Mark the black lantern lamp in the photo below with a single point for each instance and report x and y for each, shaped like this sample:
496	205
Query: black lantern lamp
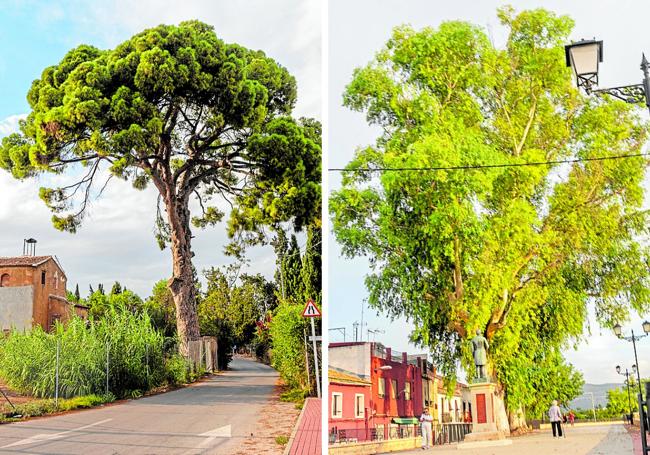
585	56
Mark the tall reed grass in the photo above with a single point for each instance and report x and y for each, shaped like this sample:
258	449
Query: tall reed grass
136	360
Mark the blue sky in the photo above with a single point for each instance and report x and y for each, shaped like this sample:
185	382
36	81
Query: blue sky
116	240
359	29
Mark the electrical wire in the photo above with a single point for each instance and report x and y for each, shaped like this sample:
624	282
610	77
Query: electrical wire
488	166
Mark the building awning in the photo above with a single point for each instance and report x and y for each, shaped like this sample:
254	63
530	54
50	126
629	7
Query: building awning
405	420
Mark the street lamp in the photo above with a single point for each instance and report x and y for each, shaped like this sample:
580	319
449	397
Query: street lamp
627	383
618	331
584	57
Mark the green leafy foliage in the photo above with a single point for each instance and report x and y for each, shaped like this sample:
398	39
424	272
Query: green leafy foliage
288	354
517	252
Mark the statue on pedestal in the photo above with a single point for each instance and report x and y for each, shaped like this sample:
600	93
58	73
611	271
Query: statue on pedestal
479	347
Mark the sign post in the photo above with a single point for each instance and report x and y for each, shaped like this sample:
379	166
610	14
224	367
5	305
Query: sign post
311	311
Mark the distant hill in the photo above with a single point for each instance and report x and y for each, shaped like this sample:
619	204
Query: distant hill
600	395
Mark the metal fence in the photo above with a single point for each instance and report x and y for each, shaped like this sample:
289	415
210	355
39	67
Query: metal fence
448	433
444	433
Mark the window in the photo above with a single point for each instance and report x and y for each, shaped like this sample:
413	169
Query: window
337	405
359	411
43	278
381	387
4	280
407	390
393	388
56	280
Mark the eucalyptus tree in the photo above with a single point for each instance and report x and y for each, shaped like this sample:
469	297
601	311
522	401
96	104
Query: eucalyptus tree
519	252
177	107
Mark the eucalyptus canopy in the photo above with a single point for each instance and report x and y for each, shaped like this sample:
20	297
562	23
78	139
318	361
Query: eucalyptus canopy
518	252
177	107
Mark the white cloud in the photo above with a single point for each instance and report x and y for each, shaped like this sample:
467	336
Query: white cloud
10	124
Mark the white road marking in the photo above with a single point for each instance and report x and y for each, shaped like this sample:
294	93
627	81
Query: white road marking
210	436
49	436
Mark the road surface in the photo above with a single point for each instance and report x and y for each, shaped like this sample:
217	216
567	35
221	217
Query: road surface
580	440
215	416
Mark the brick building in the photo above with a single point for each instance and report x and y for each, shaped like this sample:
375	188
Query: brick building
33	292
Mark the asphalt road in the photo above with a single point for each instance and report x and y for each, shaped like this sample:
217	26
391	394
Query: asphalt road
580	440
212	417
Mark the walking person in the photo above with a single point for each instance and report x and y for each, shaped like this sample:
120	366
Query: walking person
427	434
572	417
555	416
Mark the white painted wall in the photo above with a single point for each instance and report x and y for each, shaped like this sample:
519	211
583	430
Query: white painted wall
16	305
355	359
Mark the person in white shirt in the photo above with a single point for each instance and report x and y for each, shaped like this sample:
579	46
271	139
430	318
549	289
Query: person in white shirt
555	416
427	434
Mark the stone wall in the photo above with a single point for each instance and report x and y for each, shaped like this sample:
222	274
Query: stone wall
16	307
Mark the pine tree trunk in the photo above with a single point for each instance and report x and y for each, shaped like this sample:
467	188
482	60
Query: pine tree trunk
182	284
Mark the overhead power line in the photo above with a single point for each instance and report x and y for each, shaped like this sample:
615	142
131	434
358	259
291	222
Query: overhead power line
487	166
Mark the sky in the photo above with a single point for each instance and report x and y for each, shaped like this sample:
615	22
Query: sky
116	240
359	29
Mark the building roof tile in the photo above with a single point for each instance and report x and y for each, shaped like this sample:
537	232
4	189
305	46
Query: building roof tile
340	377
18	261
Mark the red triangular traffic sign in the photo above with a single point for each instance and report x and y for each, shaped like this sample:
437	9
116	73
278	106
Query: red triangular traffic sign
311	310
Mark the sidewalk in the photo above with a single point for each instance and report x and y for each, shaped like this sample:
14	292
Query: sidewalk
587	440
306	438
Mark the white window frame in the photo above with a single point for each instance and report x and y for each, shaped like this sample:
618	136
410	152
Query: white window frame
335	414
381	387
407	391
359	413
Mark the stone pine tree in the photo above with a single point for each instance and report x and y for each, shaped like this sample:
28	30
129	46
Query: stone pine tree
519	253
176	107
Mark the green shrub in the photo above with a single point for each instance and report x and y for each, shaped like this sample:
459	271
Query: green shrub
281	440
176	370
288	355
296	395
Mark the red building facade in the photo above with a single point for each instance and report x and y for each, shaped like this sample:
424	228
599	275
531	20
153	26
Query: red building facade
396	400
348	406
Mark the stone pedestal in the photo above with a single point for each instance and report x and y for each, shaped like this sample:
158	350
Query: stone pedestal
484	425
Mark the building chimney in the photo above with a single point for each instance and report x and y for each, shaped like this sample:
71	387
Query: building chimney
405	358
29	247
389	354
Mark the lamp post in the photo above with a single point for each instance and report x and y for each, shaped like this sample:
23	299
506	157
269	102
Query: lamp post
584	58
618	331
627	383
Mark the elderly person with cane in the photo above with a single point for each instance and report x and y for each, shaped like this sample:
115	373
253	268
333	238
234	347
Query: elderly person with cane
555	416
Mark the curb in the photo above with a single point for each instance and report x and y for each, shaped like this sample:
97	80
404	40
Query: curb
287	449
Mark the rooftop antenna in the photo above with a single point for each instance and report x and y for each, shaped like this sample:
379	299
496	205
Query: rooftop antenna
29	247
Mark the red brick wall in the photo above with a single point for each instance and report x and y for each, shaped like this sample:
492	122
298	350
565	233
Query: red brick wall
55	284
